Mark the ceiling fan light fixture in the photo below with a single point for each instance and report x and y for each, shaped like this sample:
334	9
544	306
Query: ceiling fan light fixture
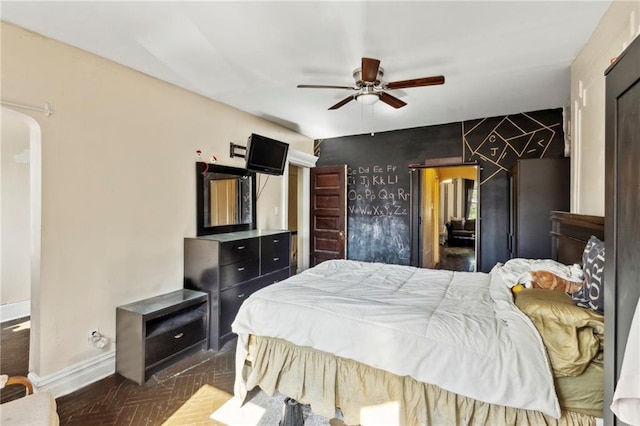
370	88
368	98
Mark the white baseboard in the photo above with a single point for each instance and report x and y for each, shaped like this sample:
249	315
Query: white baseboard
76	376
12	311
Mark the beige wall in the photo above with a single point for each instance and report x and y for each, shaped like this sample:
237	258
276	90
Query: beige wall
617	28
118	183
15	251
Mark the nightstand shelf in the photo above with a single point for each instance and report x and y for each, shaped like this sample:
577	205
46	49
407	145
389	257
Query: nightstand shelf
153	333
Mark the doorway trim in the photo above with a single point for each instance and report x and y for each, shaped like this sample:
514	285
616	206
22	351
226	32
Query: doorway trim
416	225
35	187
305	162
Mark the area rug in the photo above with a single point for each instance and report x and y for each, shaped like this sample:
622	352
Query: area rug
212	406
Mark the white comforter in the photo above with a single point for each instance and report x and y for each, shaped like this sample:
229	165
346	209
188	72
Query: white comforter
458	330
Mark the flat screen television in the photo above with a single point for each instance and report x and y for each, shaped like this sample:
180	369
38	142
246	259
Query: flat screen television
266	155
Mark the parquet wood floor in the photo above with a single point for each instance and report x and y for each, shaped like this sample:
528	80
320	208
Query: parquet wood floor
14	355
457	258
118	401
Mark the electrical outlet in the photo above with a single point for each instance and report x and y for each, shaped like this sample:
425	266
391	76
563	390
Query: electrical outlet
97	340
94	334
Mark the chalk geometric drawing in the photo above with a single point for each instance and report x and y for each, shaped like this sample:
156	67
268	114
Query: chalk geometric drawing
497	143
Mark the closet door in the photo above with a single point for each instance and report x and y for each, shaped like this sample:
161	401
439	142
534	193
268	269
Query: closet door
539	186
622	201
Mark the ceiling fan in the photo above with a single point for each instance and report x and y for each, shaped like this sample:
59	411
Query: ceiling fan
370	88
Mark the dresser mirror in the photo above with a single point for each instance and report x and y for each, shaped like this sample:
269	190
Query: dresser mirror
226	199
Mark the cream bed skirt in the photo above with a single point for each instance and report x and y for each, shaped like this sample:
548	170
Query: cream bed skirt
326	382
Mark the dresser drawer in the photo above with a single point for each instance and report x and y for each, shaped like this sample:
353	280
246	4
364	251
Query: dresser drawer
173	341
239	250
275	252
273	263
231	299
274	277
275	245
238	272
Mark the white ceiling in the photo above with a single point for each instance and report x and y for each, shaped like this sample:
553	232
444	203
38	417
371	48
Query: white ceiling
497	57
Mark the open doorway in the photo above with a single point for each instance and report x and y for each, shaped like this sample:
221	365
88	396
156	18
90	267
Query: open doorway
296	204
448	218
20	202
292	218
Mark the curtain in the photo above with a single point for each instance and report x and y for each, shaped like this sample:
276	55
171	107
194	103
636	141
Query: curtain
468	196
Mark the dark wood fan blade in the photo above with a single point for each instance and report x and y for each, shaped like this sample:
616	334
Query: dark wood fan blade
415	82
343	102
369	69
324	86
391	100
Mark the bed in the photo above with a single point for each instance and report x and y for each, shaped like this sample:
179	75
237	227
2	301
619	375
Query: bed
431	347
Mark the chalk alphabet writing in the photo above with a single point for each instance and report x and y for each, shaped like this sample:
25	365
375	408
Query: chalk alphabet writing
374	190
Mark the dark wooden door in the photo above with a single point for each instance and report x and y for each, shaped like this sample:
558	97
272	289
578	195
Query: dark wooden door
328	213
539	186
622	204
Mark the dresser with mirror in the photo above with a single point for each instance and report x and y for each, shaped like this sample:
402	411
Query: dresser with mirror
229	258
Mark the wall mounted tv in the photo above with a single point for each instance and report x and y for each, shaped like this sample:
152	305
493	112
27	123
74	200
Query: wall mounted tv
266	155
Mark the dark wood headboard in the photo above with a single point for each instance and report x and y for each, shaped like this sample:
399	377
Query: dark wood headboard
570	233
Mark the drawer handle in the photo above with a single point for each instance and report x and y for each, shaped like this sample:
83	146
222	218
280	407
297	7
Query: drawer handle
275	259
179	335
241	295
276	241
241	268
240	247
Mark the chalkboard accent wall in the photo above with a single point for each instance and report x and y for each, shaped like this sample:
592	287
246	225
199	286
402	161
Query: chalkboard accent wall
378	191
496	143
